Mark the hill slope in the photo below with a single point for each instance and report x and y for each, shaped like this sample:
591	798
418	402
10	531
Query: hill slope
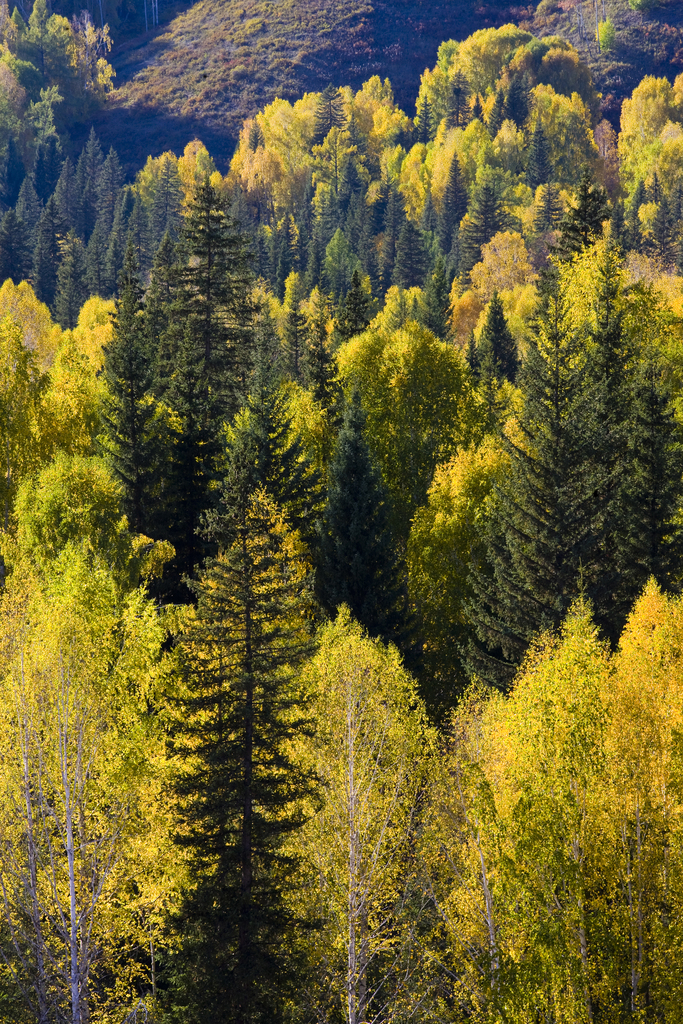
221	60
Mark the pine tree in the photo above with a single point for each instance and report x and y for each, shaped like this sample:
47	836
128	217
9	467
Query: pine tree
295	340
320	368
166	204
138	234
46	255
582	223
663	232
240	792
473	355
109	184
15	259
497	350
654	191
67	196
410	262
459	111
96	262
485	217
539	169
437	301
28	209
618	231
517	100
71	287
425	128
13	174
453	205
497	114
358	565
87	179
329	113
116	248
353	316
477	111
635	238
548	208
47	167
394	218
129	410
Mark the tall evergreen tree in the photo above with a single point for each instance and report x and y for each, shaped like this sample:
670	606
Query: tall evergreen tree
46	255
15	256
459	111
539	169
138	234
354	310
28	210
425	128
67	196
320	368
634	233
497	114
410	263
437	301
329	113
497	349
71	286
358	563
485	217
663	241
394	218
166	204
13	173
548	208
109	184
453	205
47	167
582	223
618	230
129	410
96	262
87	179
240	791
116	247
517	100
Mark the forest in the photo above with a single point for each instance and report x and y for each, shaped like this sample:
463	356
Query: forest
341	626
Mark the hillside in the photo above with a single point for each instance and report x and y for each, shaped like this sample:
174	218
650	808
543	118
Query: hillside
219	61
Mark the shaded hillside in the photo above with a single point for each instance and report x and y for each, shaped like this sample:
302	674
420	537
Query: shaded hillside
221	60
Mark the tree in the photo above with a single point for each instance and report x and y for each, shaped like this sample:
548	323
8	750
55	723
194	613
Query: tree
663	231
458	110
517	100
15	260
496	114
129	408
354	310
539	169
357	563
410	260
166	203
294	328
424	121
47	253
497	349
240	787
87	181
116	248
320	369
96	262
437	304
47	167
329	113
485	218
28	209
66	194
109	183
14	173
71	288
582	223
634	234
453	206
548	208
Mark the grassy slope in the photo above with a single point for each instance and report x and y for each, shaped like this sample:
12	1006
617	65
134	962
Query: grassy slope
220	60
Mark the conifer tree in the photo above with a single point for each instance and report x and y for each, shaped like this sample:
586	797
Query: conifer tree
46	255
166	204
13	174
410	262
497	114
618	230
477	111
453	206
634	233
47	167
663	231
358	564
67	196
437	301
295	339
539	169
425	127
548	208
138	234
109	184
485	217
329	113
354	310
15	258
473	355
240	791
517	100
582	223
71	287
129	408
394	218
28	210
497	350
116	248
459	111
96	262
320	366
87	180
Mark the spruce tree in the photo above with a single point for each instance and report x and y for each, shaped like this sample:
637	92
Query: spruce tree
358	563
517	100
167	201
437	301
15	256
472	355
87	178
240	792
539	169
354	310
28	210
618	230
497	350
410	263
129	410
548	208
477	111
425	128
67	196
663	242
295	340
582	223
109	184
453	206
394	218
329	114
634	234
458	108
116	248
138	234
13	174
96	262
320	368
46	255
497	114
47	167
485	217
71	285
